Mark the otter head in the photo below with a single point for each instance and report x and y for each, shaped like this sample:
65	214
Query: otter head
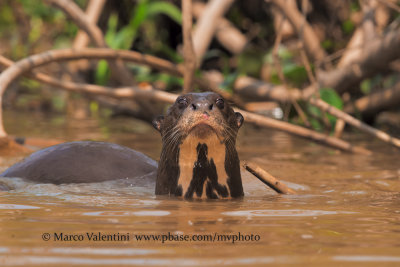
199	158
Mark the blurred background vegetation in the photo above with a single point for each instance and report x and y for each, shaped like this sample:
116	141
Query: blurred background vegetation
154	27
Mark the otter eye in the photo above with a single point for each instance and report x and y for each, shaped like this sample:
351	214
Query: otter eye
182	103
220	103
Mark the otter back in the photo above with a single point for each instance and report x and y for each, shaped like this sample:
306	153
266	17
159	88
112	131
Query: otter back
83	162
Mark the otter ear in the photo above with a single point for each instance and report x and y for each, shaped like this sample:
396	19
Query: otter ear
239	119
157	122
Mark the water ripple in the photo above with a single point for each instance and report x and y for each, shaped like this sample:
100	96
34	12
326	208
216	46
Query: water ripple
156	213
17	207
283	213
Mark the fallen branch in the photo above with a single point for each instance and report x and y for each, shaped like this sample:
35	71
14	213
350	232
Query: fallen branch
207	25
302	132
188	50
267	178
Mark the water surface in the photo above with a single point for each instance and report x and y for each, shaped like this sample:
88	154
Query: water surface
346	212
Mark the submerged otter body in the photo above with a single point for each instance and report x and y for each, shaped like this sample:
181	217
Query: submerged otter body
83	162
198	158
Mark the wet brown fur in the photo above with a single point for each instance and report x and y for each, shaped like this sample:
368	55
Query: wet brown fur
199	137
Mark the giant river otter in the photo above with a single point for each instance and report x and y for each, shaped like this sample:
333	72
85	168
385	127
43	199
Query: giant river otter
198	158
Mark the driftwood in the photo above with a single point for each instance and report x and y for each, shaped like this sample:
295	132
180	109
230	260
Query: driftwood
267	178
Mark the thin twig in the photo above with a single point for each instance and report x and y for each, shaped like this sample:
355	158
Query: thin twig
302	27
281	75
312	79
354	122
267	178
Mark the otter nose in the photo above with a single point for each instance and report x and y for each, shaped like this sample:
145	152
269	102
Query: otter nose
202	106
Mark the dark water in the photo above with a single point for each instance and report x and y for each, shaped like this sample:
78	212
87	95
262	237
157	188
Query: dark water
346	213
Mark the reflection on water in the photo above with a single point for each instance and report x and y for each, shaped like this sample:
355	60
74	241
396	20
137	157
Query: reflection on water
347	210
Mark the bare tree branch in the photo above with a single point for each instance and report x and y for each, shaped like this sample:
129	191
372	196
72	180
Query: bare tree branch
207	25
377	55
262	91
31	62
93	11
377	101
365	32
28	64
79	17
226	33
188	50
254	89
118	93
